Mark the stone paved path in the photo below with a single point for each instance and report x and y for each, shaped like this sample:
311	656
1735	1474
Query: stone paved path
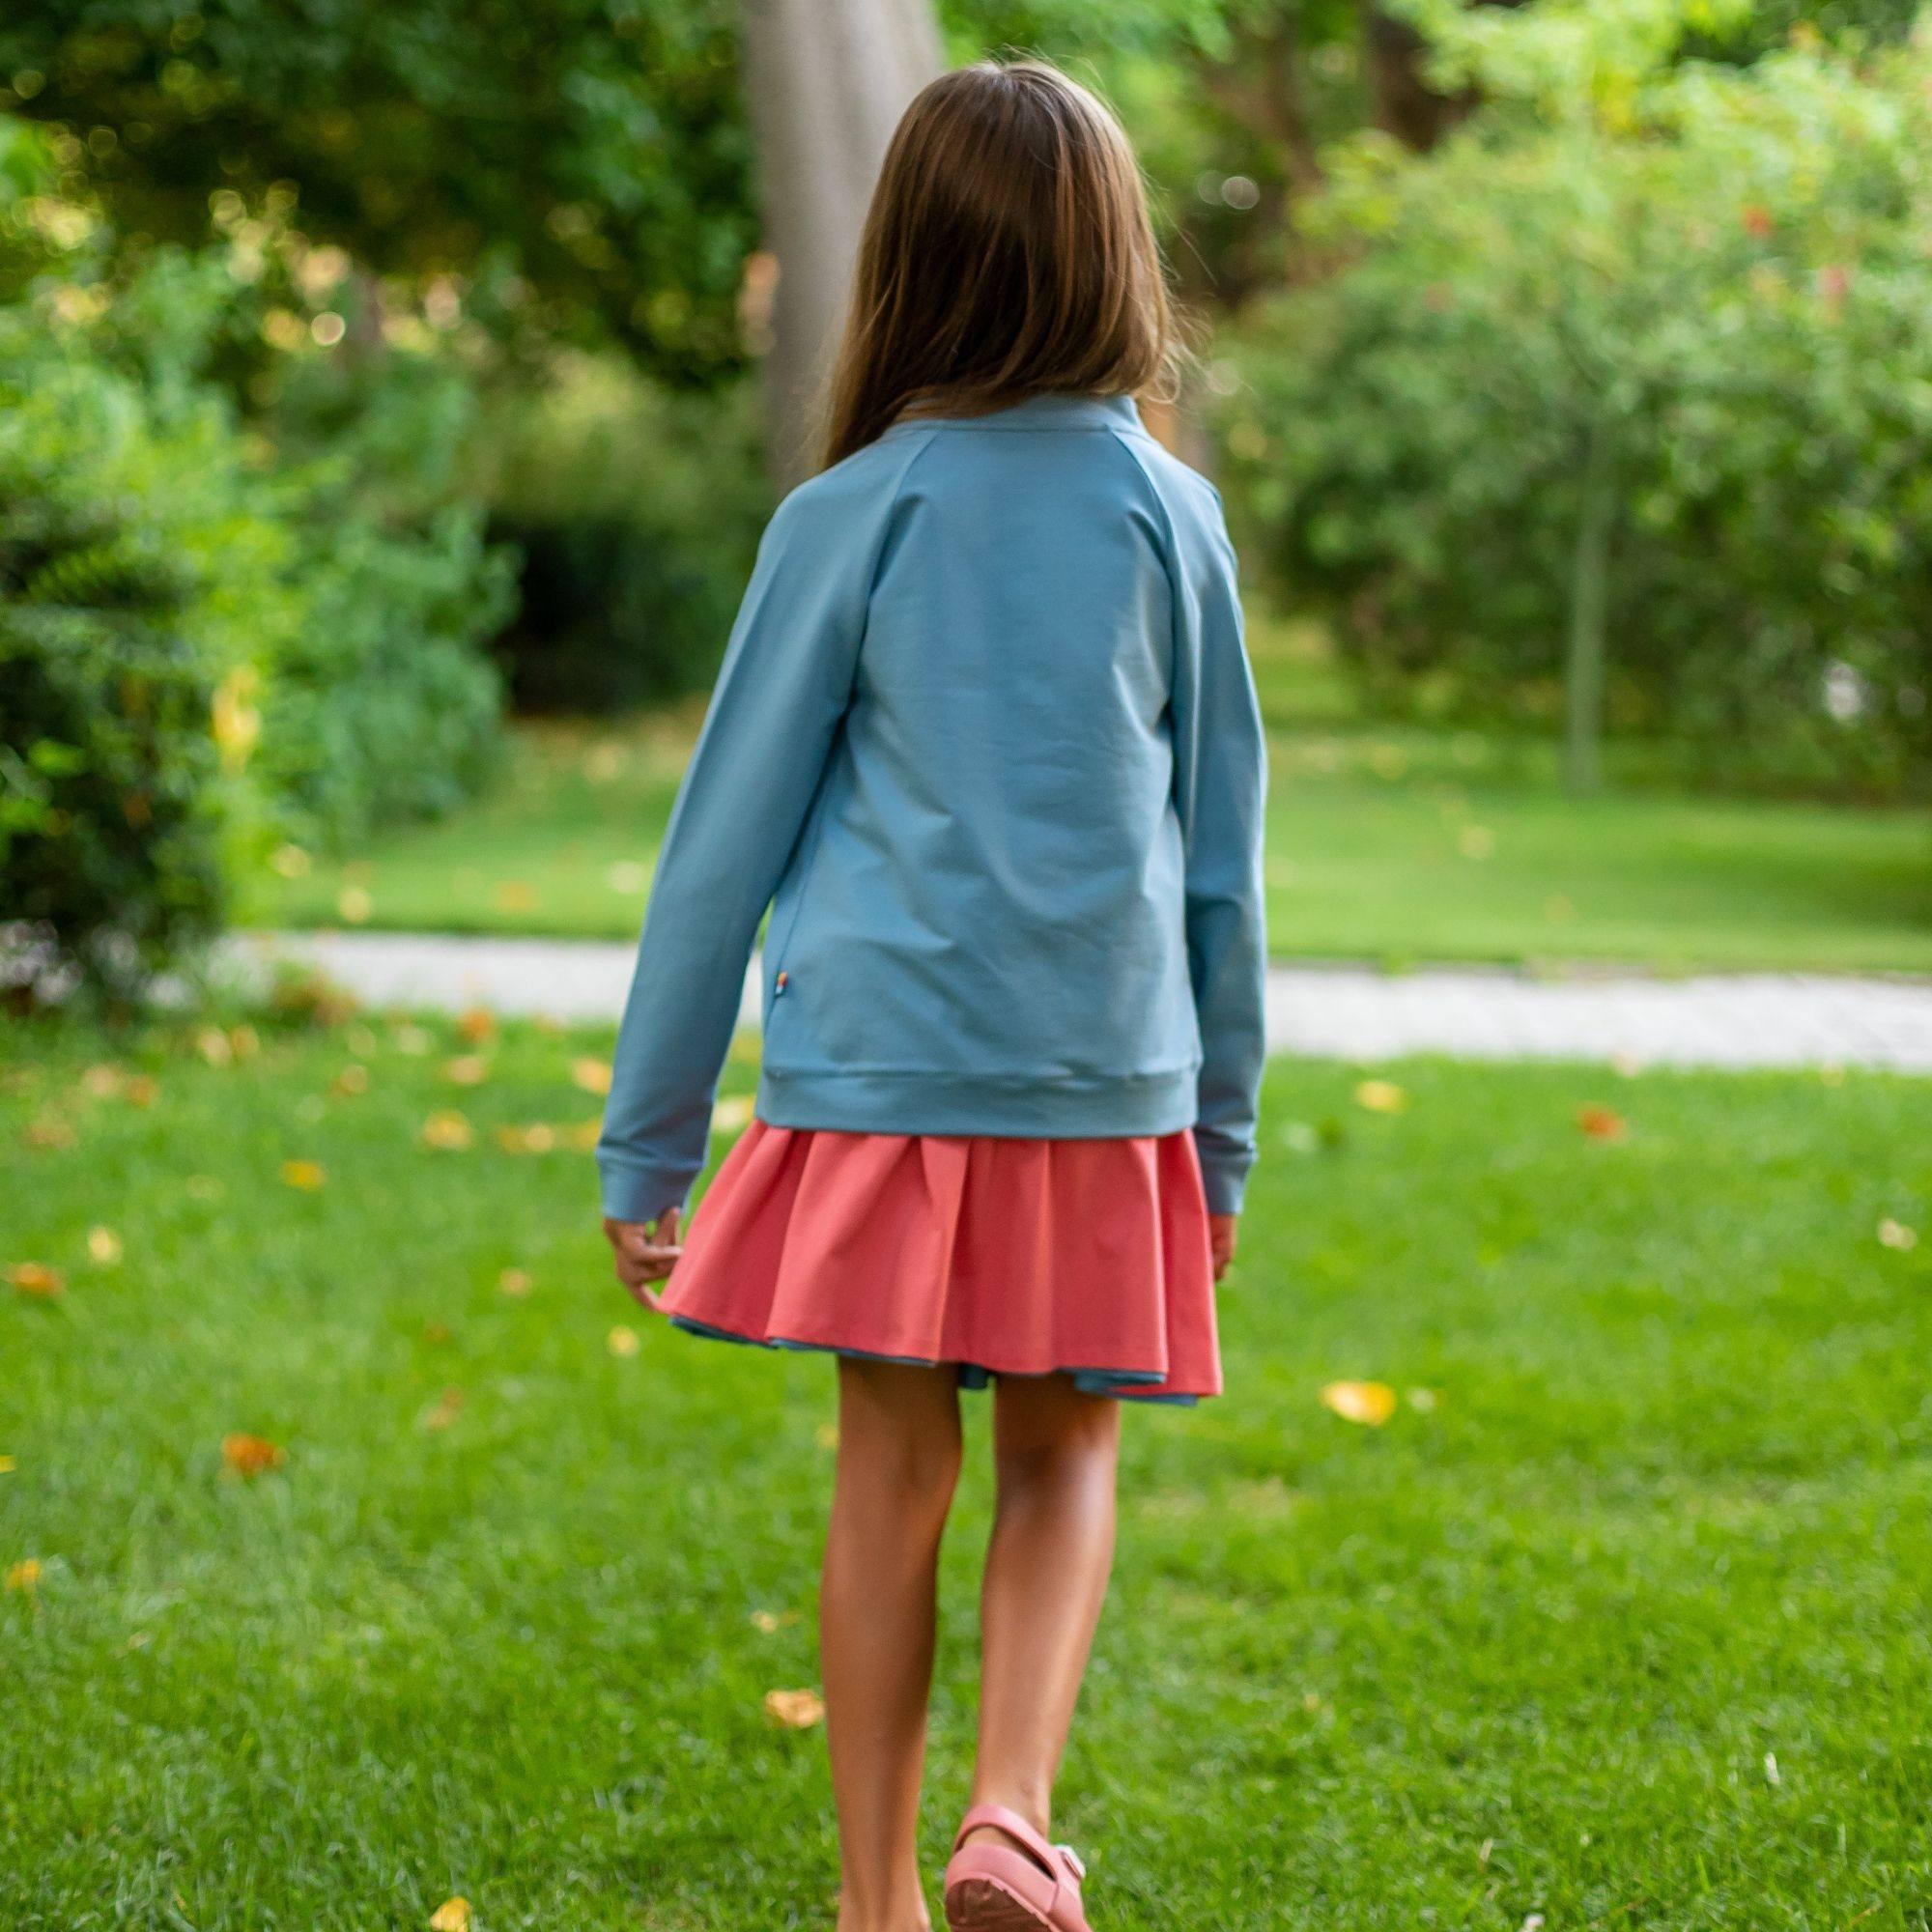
1342	1012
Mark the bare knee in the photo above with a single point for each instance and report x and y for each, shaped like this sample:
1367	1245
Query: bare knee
1048	1435
899	1436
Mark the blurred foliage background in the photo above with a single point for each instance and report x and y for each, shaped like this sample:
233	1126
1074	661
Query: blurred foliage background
362	369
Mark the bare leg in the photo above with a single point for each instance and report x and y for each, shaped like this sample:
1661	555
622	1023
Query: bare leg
1055	1452
899	1461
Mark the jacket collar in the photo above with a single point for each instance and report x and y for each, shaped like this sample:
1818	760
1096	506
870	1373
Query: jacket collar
1036	412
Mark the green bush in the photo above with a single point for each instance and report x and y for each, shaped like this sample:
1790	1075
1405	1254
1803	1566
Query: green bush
637	514
128	554
1645	367
219	627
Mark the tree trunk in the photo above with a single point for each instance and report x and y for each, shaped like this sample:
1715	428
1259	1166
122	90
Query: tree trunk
1405	103
826	83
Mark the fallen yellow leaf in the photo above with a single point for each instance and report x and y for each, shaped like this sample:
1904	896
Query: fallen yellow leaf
770	1622
102	1082
732	1115
1895	1234
307	1175
447	1130
214	1046
514	1282
536	1138
476	1024
103	1245
467	1070
448	1406
1370	1404
451	1916
583	1135
826	1435
250	1455
795	1710
1602	1124
142	1090
8	1465
1381	1096
246	1041
24	1574
36	1278
593	1076
624	1342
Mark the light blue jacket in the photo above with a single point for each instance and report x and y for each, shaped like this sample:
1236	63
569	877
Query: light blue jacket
986	743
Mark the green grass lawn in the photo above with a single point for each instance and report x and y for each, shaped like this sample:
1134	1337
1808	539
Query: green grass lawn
1621	1620
1391	845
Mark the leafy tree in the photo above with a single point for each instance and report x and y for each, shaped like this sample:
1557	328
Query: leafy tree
1626	382
585	160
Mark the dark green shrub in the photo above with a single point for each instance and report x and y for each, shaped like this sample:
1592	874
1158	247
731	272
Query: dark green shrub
636	515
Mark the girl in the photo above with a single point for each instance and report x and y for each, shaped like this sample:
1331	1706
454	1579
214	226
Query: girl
986	743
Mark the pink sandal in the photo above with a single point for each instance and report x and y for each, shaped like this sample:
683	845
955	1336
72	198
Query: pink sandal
1025	1885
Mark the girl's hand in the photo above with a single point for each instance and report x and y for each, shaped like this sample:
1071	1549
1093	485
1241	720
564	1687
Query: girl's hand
644	1252
1222	1231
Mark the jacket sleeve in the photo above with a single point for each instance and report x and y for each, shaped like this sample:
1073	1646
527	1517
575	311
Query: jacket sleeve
775	712
1221	784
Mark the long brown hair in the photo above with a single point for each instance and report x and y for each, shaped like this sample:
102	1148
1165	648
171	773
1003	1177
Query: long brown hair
1008	253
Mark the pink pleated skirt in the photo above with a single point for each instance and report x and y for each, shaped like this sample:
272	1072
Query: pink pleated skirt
997	1257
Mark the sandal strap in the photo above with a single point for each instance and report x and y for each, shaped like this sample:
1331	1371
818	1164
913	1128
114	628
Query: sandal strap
999	1818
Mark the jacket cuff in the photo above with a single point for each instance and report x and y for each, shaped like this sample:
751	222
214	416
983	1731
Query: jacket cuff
1224	1178
632	1192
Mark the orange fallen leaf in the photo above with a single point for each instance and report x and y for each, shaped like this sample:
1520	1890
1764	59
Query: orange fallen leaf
467	1070
1602	1124
795	1710
624	1342
476	1024
307	1175
103	1245
1381	1096
49	1134
25	1575
143	1090
354	1079
451	1916
36	1278
245	1041
592	1074
514	1282
251	1455
448	1406
1370	1404
448	1131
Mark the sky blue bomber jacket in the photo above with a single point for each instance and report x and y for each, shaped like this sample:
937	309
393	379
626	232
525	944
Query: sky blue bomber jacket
986	742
